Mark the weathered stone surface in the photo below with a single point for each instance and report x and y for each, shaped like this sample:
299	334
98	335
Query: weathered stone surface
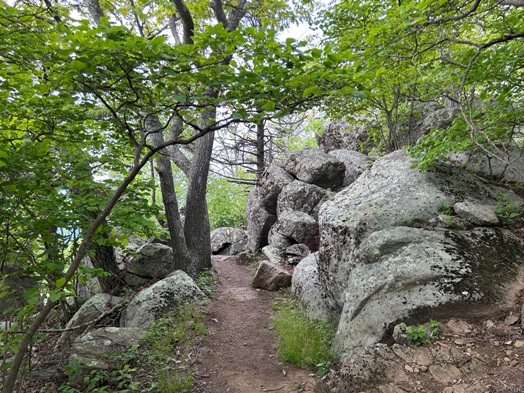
300	196
278	240
271	277
390	194
295	225
90	348
259	221
299	250
313	166
274	180
176	289
475	213
308	290
355	162
399	270
93	308
273	254
511	170
340	134
154	260
228	241
439	118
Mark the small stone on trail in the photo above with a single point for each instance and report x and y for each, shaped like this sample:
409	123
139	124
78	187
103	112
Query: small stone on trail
464	341
489	324
511	320
519	344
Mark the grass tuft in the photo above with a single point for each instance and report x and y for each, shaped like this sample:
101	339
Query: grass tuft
303	342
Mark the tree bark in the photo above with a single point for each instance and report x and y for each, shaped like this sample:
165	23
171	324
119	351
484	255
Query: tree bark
261	159
181	257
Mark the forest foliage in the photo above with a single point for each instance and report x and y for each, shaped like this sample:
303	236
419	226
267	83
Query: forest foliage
95	95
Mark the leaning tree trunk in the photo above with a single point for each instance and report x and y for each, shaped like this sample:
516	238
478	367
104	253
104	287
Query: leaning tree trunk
104	258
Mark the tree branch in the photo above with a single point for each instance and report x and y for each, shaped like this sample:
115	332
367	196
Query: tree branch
187	20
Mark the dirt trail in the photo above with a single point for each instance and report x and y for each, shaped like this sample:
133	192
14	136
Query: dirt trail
239	354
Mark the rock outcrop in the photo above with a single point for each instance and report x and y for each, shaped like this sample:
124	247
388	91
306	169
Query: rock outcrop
154	260
149	304
228	241
382	260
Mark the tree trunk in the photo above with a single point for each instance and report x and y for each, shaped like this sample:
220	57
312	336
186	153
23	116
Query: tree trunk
181	256
261	159
105	259
196	225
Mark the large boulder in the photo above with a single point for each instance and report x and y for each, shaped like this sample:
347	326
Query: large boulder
313	166
259	221
228	241
377	269
86	316
511	169
399	271
339	134
273	181
300	196
271	276
308	290
149	304
295	225
392	193
154	260
355	163
91	348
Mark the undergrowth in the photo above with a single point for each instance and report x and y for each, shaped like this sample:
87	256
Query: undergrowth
303	342
161	364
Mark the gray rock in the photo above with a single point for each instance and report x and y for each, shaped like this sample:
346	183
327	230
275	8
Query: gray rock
228	241
149	304
439	118
299	250
400	270
300	196
154	260
273	254
340	134
308	290
93	308
511	170
399	333
475	213
313	166
271	277
259	221
90	348
391	193
297	226
278	240
273	181
355	162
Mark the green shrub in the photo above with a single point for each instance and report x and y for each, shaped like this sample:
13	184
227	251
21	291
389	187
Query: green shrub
420	335
303	342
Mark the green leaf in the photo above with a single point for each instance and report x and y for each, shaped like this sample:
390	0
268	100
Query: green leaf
269	106
60	282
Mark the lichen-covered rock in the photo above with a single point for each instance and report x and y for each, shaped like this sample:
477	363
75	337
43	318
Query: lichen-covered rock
475	213
298	226
511	169
259	221
278	240
271	277
273	254
149	304
340	134
391	193
90	348
228	241
313	166
154	260
399	270
273	181
308	290
92	309
300	196
355	162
